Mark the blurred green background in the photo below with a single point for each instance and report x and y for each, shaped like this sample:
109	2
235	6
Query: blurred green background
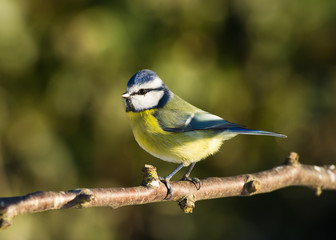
269	65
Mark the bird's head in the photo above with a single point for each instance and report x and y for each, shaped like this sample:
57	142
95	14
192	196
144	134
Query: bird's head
145	90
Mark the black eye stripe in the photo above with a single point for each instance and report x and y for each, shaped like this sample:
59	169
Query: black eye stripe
143	91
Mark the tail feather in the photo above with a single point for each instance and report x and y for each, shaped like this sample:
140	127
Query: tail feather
255	132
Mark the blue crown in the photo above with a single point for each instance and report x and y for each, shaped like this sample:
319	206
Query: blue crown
141	77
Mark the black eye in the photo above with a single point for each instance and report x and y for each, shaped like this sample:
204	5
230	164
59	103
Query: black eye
143	91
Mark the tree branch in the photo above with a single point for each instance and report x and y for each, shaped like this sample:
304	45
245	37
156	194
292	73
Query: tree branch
291	173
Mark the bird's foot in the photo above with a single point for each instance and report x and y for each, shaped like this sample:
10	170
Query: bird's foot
194	180
166	182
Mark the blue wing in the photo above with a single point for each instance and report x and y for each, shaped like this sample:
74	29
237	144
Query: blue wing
204	121
178	121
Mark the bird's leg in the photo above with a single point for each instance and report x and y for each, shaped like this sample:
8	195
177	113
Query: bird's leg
165	181
194	180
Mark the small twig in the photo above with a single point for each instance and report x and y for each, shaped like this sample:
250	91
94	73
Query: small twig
291	173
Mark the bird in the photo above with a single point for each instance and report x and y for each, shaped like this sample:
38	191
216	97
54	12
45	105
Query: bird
173	130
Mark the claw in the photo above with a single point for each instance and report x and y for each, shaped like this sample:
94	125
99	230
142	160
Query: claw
194	180
166	182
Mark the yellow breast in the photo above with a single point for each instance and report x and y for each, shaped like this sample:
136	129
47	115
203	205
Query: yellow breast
184	147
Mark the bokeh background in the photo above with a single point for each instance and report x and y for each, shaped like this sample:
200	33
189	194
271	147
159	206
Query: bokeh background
269	65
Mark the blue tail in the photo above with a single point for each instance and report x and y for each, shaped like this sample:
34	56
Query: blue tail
255	132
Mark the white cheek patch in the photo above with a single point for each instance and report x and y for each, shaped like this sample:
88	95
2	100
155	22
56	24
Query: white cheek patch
155	83
147	101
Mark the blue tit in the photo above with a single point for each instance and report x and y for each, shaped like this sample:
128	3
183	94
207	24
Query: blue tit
172	129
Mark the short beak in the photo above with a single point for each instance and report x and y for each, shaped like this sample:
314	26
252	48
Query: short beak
126	95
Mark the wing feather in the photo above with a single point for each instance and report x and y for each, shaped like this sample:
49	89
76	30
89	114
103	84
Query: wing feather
181	121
